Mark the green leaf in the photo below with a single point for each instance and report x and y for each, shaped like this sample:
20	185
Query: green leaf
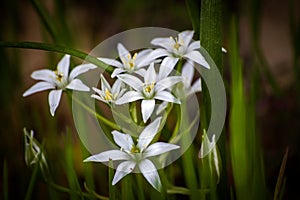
59	49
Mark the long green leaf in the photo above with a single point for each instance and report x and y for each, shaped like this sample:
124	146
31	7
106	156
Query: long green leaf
210	39
280	180
45	18
238	143
59	49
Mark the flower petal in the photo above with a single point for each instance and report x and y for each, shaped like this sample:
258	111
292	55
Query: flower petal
132	81
167	83
150	76
77	84
104	84
193	46
186	36
54	99
196	87
150	173
98	97
80	69
166	67
123	52
63	66
129	96
141	72
161	107
116	87
147	108
165	42
159	148
123	140
187	73
44	75
166	96
40	86
116	72
155	54
141	56
148	134
123	169
111	62
107	155
198	58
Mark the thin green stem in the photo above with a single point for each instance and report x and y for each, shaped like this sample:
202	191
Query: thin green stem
83	194
112	188
59	49
100	117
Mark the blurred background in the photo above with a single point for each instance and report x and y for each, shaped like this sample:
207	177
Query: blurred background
270	26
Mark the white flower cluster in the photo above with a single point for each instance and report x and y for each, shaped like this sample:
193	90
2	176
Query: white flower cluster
139	77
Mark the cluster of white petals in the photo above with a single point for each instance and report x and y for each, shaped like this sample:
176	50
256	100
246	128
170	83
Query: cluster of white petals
147	76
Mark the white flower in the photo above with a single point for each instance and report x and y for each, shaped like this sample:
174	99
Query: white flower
108	94
58	81
136	155
148	91
180	47
129	63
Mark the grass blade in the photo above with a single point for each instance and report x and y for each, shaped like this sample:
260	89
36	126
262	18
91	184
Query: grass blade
45	18
59	49
280	181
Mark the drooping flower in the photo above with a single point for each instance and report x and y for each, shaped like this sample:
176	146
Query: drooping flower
148	91
210	152
108	94
129	63
58	81
34	154
135	155
176	48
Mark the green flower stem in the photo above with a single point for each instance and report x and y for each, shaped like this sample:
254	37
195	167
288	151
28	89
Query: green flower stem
59	49
82	194
188	157
100	117
112	188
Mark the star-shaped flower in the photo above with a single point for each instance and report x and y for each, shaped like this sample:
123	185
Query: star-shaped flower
150	90
136	155
108	94
58	81
174	49
129	63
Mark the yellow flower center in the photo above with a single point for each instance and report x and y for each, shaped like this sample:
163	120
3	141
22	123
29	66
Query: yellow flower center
149	88
108	95
177	44
59	76
130	61
135	149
